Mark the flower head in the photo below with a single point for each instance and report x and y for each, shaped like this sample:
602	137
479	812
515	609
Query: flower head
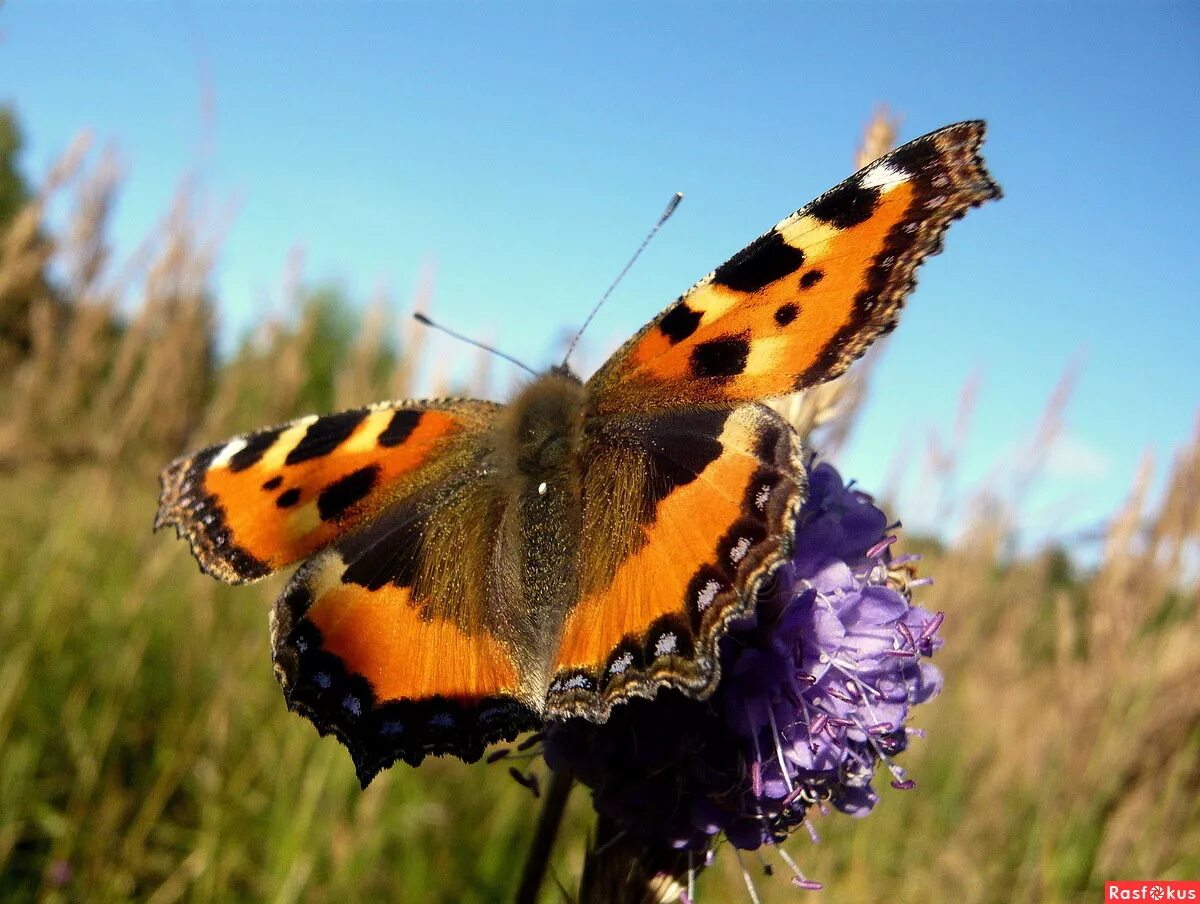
815	693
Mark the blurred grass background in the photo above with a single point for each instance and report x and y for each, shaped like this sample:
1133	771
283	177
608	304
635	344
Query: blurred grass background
145	751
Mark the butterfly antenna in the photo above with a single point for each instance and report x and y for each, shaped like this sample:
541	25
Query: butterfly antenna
666	215
421	318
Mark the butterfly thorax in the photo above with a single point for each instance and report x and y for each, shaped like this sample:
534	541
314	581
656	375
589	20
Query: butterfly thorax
537	442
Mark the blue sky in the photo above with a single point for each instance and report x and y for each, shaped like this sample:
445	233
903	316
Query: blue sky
526	148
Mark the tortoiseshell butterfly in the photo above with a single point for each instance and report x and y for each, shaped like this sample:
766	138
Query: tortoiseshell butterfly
471	569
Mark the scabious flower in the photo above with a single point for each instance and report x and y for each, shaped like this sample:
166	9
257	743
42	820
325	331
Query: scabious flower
814	698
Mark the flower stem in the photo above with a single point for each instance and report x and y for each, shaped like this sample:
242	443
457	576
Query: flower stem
623	869
549	820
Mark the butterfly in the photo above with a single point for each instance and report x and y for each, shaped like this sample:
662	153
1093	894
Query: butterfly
470	569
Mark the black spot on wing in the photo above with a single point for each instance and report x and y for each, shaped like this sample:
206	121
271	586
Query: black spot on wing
669	635
386	551
678	468
759	491
626	657
721	358
761	263
679	322
846	205
769	443
736	545
811	278
680	457
324	435
273	484
256	446
344	493
786	313
399	428
706	585
288	498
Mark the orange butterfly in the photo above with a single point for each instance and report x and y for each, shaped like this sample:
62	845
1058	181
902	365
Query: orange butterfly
471	569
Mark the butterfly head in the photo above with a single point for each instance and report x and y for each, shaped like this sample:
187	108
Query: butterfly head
543	424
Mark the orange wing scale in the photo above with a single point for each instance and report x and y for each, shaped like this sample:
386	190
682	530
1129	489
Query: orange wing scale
266	500
277	535
778	353
654	581
390	680
381	635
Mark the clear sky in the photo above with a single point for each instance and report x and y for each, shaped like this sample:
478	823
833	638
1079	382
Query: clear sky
526	148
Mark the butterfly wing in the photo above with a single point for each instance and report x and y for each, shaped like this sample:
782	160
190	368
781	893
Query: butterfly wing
674	553
265	500
396	638
803	301
684	515
391	636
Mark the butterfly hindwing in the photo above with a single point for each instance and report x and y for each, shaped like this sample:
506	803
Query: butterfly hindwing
397	639
683	514
800	303
268	499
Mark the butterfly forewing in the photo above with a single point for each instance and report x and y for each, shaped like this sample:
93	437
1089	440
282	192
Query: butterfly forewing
265	500
800	303
397	638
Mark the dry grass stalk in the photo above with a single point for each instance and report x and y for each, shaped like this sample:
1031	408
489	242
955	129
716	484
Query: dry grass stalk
943	457
90	332
31	315
162	374
414	338
358	383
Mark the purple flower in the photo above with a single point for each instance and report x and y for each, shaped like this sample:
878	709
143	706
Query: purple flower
815	695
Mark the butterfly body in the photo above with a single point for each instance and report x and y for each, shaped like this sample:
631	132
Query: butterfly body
470	569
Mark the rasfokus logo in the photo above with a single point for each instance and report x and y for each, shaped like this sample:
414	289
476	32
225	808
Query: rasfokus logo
1152	891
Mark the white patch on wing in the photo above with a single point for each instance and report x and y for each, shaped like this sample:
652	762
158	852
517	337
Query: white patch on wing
366	436
760	500
707	594
232	448
621	664
739	550
883	176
